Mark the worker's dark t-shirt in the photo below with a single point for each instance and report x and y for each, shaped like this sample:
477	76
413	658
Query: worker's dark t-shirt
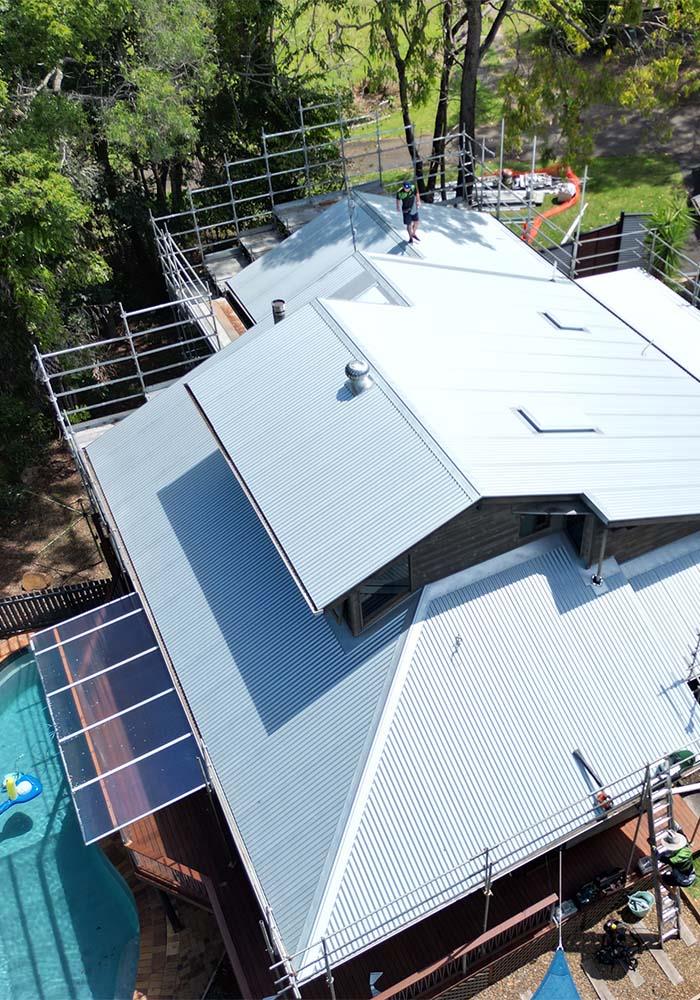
408	201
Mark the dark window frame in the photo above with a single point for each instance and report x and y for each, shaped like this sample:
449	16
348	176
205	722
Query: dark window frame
539	522
357	617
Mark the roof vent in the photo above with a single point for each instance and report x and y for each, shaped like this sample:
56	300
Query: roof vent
279	310
359	378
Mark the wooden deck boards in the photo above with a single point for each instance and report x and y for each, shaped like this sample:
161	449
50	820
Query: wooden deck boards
191	833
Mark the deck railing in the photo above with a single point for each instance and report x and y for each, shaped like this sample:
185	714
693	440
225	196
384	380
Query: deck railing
43	608
462	961
340	944
171	875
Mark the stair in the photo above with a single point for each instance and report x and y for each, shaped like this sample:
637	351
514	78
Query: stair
668	898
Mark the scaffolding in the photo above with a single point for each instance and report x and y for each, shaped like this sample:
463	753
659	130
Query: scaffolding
296	174
478	873
261	198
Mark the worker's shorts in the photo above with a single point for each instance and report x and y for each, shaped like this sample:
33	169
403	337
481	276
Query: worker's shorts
409	217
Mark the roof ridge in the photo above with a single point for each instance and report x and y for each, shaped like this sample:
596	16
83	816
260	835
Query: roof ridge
369	208
365	775
363	785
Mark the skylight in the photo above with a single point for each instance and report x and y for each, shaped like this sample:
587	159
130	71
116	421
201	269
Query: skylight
562	323
556	420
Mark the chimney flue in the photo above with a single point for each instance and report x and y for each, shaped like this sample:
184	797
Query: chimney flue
278	310
358	377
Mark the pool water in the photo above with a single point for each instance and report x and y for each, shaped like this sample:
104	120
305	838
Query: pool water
68	923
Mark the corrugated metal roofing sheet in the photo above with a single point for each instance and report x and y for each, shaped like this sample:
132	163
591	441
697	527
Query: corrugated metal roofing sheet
310	252
654	309
667	584
508	668
353	279
477	347
450	234
344	483
283	699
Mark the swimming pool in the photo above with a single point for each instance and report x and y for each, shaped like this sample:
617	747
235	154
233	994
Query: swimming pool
68	922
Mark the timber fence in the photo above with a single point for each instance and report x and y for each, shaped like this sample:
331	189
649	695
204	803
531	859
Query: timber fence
42	608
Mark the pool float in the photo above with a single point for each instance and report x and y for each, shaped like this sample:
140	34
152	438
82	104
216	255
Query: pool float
19	788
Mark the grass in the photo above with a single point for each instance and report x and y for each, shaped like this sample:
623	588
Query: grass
624	184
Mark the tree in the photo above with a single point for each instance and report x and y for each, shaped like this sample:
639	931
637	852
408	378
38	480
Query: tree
618	51
168	73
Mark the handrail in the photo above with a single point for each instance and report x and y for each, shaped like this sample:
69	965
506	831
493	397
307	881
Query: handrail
466	949
624	791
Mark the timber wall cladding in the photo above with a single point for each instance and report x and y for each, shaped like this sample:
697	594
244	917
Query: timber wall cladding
478	534
628	543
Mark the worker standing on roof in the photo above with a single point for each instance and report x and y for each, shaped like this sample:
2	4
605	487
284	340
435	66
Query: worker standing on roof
408	202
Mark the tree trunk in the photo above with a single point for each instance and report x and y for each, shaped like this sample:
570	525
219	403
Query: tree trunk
142	175
437	155
176	185
160	175
409	132
467	100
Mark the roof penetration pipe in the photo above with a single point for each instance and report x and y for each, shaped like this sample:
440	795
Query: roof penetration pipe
279	310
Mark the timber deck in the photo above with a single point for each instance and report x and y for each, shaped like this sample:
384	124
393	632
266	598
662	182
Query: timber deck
194	859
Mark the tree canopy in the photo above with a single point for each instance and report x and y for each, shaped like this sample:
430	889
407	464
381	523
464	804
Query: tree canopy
111	107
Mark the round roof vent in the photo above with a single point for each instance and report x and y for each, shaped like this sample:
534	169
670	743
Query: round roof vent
358	376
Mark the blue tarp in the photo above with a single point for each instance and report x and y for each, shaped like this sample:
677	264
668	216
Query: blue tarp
557	983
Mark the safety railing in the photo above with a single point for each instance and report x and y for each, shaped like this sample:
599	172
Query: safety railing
462	961
171	875
298	165
104	377
478	872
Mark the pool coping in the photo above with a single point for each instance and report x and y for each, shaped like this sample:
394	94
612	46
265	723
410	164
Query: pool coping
10	647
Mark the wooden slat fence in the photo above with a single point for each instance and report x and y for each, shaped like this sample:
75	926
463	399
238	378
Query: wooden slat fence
41	608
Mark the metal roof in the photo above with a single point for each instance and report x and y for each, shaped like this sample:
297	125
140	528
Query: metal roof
309	253
667	585
478	351
654	310
456	236
343	483
507	669
450	234
284	700
353	279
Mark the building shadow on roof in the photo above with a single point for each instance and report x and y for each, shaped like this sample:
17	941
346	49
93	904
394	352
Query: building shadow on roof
287	657
329	236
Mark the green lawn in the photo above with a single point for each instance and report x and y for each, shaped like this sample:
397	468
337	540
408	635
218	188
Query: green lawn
624	184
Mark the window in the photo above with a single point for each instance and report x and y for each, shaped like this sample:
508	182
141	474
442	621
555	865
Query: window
381	591
531	524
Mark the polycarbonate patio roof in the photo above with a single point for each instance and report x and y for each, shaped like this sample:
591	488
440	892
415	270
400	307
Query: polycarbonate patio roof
126	744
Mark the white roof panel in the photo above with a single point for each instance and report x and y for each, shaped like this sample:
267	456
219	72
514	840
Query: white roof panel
507	669
652	308
476	350
343	483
